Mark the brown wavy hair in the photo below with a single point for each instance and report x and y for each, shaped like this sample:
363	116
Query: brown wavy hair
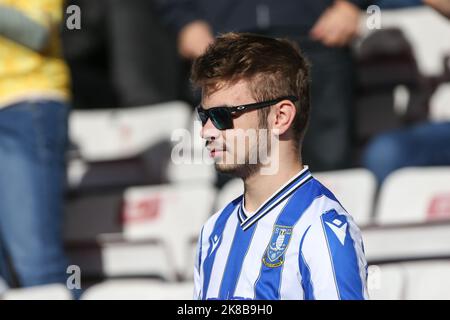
272	68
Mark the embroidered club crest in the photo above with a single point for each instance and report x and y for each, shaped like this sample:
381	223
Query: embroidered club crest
274	256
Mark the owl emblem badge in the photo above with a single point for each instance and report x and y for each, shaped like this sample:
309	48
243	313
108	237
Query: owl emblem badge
274	255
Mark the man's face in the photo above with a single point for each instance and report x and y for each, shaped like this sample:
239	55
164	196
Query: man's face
235	151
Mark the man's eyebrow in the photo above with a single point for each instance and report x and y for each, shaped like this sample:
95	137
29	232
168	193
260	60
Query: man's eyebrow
218	106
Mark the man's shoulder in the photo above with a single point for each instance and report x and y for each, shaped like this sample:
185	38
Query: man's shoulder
323	200
326	208
322	192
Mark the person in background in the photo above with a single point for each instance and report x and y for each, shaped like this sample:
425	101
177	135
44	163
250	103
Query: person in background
441	6
34	95
426	144
397	4
323	29
124	68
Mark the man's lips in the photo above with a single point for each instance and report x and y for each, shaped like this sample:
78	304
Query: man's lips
214	151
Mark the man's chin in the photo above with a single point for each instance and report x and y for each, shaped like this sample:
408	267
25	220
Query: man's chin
237	170
225	168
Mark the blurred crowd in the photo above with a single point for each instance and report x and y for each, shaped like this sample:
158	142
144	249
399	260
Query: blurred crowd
138	52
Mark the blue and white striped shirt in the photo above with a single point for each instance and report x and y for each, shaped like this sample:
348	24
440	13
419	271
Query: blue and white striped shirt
300	244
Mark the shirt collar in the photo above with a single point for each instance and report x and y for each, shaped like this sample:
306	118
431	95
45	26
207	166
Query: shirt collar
279	196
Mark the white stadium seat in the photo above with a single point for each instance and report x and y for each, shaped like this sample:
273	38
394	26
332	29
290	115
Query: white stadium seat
425	28
386	282
428	280
355	190
171	215
155	235
414	280
440	103
136	142
139	289
45	292
412	217
415	195
121	133
112	256
407	242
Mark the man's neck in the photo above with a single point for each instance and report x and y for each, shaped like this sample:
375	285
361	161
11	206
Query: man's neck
259	187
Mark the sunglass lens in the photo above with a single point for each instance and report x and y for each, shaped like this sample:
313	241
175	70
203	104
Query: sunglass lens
221	118
203	116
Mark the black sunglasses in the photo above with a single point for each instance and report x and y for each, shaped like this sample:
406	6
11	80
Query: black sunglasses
222	117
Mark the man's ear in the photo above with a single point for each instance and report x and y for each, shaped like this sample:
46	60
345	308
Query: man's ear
283	115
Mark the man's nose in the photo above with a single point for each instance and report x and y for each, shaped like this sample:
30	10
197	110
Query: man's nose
209	131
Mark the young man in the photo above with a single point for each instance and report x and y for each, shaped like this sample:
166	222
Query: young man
286	237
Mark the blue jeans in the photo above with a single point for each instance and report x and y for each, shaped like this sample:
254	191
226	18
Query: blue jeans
33	138
422	145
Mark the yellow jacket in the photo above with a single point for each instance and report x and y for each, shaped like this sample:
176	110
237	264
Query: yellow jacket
25	73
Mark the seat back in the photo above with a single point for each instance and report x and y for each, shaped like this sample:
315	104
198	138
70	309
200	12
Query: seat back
111	134
172	215
415	195
355	189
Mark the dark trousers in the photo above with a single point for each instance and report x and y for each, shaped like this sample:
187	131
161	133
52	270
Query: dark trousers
122	53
